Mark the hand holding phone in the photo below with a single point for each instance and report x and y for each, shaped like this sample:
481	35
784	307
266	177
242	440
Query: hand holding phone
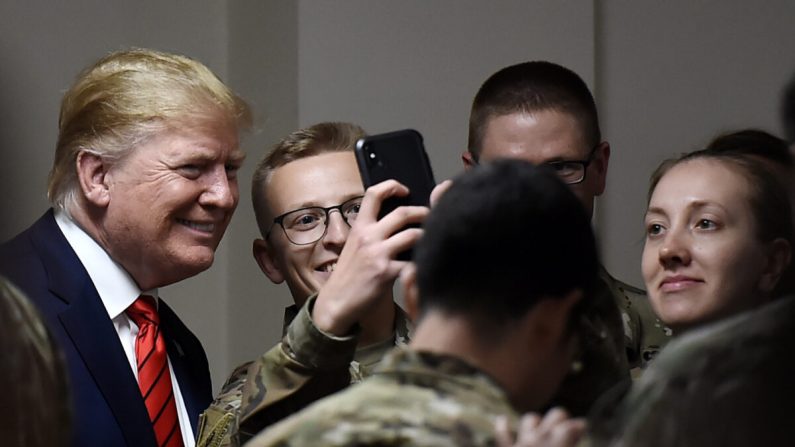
368	266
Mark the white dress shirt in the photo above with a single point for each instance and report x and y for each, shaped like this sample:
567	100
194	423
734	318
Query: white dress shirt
118	291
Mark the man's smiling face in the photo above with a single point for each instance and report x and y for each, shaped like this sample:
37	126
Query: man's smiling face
323	180
169	203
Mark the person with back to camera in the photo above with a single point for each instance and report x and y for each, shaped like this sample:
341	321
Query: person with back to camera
544	113
503	270
719	239
143	185
33	365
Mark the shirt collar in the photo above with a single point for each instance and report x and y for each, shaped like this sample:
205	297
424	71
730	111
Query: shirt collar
115	286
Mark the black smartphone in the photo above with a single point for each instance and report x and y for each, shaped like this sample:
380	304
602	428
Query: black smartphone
401	156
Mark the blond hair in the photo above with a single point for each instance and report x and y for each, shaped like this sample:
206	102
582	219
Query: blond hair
129	97
314	140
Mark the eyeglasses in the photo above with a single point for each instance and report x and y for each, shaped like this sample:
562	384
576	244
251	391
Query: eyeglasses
308	225
571	171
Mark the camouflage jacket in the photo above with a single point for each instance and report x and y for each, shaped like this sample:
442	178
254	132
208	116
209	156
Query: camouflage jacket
416	399
643	333
725	384
619	333
306	366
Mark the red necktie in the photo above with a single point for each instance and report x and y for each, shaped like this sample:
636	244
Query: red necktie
154	378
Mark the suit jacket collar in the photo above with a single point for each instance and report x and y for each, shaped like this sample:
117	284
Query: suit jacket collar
190	365
117	289
92	332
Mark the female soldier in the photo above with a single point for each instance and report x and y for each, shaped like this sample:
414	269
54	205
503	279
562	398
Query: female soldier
718	241
718	238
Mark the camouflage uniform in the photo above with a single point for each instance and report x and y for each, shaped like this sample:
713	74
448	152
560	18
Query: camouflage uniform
306	366
726	384
643	333
619	333
416	399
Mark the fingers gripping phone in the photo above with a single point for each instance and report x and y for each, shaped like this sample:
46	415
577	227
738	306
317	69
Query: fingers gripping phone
401	156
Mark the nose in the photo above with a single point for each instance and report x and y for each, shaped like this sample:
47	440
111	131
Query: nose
674	250
336	230
220	191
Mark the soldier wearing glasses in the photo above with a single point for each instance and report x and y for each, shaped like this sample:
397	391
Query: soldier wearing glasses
307	192
544	113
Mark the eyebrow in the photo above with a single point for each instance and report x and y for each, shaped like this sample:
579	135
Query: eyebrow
237	156
694	205
655	210
207	154
567	159
705	203
315	204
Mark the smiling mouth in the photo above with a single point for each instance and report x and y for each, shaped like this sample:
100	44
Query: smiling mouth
202	227
675	285
327	267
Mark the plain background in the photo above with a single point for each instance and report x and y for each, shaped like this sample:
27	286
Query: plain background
667	77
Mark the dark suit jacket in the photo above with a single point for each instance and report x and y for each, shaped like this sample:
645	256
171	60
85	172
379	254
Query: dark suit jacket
107	406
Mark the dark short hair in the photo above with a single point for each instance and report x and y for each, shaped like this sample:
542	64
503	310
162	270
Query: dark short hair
531	87
504	236
788	111
753	142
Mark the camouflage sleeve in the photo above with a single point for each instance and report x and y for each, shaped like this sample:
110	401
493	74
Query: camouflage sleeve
650	332
307	365
644	333
438	403
219	421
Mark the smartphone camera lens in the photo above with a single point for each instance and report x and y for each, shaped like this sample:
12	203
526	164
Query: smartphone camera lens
372	157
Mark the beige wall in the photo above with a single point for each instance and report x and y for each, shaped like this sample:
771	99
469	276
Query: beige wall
390	65
672	75
667	76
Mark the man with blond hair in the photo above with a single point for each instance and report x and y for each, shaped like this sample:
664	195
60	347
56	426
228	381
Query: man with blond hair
320	235
143	186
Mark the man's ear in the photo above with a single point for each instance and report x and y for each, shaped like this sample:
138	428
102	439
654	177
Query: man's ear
265	259
411	293
469	160
550	317
599	163
92	173
778	262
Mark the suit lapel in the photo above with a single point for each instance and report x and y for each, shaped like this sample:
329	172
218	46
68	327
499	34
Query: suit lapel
93	334
189	363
